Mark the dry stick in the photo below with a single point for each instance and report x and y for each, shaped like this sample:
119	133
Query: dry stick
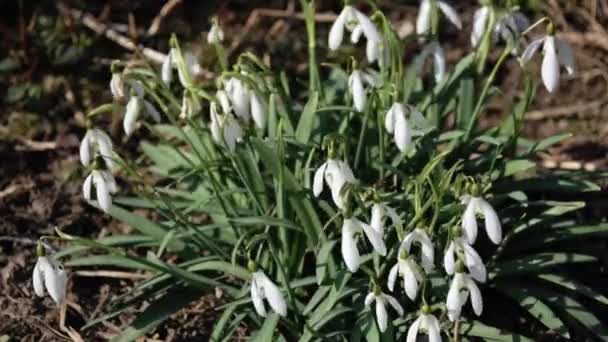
111	274
164	12
100	28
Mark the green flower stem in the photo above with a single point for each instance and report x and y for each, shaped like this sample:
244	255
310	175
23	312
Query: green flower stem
309	16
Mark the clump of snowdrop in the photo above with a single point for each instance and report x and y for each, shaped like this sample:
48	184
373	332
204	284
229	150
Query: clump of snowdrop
427	323
404	122
358	24
263	288
49	276
425	15
352	227
556	53
477	205
461	287
382	300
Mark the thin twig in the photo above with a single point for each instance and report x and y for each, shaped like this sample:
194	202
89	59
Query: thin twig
164	12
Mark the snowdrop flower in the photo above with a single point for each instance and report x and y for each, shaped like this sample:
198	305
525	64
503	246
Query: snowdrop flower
462	285
166	69
190	68
379	212
359	24
381	300
556	52
350	253
135	106
239	96
336	173
507	27
409	270
403	130
225	129
215	35
50	275
117	86
105	186
258	110
428	252
424	19
474	206
356	88
472	260
439	65
427	323
263	288
96	141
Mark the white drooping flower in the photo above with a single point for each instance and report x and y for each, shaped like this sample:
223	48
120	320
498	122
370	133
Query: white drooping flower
556	53
117	86
50	275
215	35
225	128
185	72
402	128
258	110
97	141
424	19
105	186
410	272
472	260
357	89
239	95
508	26
474	206
336	173
166	69
137	103
379	213
358	24
428	323
350	252
381	300
263	288
439	66
462	285
427	259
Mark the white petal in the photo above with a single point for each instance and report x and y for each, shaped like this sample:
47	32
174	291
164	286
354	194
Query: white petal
531	49
224	101
256	297
377	219
428	252
317	184
240	99
336	33
257	111
131	114
369	29
117	87
412	333
403	133
450	13
372	50
166	73
105	147
85	149
392	277
103	193
474	263
274	296
476	300
110	181
433	329
374	237
357	90
469	222
369	299
55	280
86	187
410	283
480	20
565	55
356	34
454	301
136	87
423	21
492	222
389	119
550	67
350	253
381	315
438	63
448	259
395	304
38	275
